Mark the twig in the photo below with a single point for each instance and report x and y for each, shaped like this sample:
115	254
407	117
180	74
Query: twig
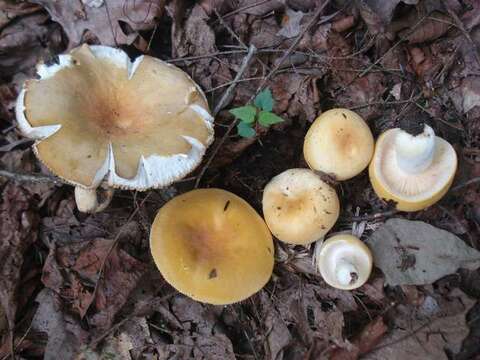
206	56
252	50
466	183
246	7
263	83
246	61
229	29
34	178
370	217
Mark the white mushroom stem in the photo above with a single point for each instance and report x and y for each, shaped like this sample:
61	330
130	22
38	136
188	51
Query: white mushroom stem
346	272
87	199
415	153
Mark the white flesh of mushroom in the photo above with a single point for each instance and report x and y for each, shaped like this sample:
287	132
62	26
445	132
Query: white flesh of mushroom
415	153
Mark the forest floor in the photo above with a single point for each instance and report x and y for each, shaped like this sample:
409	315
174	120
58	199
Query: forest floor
74	285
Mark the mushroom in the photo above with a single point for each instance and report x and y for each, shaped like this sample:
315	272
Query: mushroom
339	143
344	261
212	246
414	171
100	119
299	207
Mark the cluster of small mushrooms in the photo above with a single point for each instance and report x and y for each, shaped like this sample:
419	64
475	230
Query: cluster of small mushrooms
101	121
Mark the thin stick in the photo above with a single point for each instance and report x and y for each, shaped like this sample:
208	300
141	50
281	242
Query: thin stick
260	87
466	183
252	50
34	178
246	61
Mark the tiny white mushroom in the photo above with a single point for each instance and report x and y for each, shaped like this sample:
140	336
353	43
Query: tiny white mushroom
344	261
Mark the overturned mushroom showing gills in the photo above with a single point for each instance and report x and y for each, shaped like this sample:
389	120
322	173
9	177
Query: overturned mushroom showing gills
344	261
100	118
212	246
339	143
414	171
299	208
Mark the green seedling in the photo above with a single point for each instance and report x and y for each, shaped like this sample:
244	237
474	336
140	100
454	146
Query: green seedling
260	112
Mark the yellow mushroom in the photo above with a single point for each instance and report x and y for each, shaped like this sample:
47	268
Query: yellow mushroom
344	261
101	119
299	208
339	143
212	246
414	171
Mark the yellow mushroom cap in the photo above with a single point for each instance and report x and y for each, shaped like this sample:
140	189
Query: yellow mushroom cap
344	261
413	171
299	208
339	143
100	118
212	246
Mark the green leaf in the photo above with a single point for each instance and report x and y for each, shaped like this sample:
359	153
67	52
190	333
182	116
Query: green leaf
267	118
264	100
245	113
245	130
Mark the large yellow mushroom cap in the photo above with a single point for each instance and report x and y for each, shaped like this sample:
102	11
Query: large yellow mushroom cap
100	118
339	143
299	207
212	246
413	171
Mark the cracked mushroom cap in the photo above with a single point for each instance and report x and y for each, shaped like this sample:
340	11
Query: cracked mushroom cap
212	246
299	207
414	171
344	261
98	117
339	143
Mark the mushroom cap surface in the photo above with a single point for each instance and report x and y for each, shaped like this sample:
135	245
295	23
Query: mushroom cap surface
212	246
299	207
348	248
100	118
411	191
339	143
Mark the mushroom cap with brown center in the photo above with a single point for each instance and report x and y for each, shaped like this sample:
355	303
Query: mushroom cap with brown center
98	117
212	246
339	143
299	207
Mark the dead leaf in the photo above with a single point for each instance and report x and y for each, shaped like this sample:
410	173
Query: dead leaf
416	253
291	23
384	8
261	9
72	271
11	10
105	22
416	336
195	37
65	335
18	231
434	26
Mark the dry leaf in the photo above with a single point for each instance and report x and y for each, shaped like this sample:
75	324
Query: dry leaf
416	253
18	231
105	22
431	28
291	23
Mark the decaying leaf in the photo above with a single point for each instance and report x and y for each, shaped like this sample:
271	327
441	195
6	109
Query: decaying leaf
18	222
419	336
383	8
65	335
291	23
416	253
434	26
73	270
104	21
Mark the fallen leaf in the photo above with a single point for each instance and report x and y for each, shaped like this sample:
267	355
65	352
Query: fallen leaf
434	26
264	8
416	253
11	10
105	22
417	337
18	231
72	271
65	335
384	8
291	23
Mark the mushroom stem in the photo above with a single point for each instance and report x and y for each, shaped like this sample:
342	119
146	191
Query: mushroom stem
346	272
87	199
415	153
